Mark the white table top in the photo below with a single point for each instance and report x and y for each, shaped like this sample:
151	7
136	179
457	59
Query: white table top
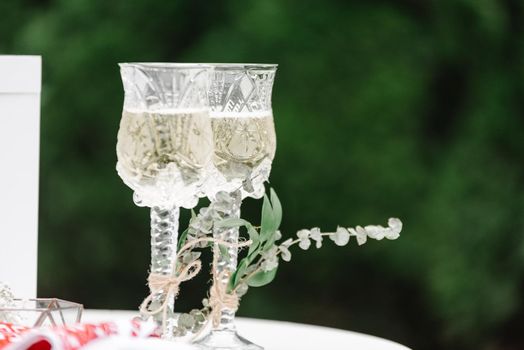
271	334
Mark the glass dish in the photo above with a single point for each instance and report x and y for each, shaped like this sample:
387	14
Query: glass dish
41	312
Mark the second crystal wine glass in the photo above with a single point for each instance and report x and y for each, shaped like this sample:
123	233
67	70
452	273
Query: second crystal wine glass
164	145
245	144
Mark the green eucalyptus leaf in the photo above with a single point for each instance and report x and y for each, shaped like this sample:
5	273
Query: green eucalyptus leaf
270	242
231	282
267	220
242	289
254	237
262	278
182	238
238	274
254	253
231	222
253	234
253	247
277	208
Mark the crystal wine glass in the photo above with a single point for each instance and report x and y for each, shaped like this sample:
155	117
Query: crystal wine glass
164	146
245	144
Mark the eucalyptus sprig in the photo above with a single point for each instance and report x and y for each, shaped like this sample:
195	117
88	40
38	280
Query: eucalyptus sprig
259	265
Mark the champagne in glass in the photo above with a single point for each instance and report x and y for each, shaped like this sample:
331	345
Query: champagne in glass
162	154
164	147
245	143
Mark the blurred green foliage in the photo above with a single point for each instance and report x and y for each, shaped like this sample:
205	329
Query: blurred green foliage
383	108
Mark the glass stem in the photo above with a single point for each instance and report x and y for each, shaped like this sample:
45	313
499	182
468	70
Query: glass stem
164	237
228	263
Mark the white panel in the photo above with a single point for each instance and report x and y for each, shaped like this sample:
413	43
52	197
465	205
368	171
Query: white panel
20	74
20	79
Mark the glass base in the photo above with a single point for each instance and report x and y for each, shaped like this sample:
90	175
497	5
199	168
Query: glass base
226	340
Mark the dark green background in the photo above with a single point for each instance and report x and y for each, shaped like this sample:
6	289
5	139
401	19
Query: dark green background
383	108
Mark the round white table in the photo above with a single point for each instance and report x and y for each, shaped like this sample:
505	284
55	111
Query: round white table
278	335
